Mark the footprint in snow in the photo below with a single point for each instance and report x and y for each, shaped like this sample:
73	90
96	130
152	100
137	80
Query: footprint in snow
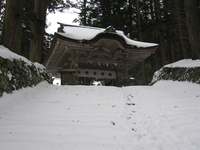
130	104
113	123
128	118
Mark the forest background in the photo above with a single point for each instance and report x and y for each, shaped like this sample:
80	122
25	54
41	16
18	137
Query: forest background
173	24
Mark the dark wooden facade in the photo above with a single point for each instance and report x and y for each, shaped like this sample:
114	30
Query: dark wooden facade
106	51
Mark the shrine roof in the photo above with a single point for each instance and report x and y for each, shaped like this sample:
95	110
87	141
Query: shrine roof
88	33
95	47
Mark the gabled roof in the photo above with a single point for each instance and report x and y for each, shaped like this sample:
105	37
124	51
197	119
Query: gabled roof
82	33
95	45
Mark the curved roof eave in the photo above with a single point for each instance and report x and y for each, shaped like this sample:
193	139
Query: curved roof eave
117	36
84	33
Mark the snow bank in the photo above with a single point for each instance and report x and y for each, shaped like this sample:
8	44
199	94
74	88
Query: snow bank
183	70
185	63
7	54
17	72
57	81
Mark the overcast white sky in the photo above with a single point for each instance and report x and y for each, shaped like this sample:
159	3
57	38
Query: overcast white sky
66	17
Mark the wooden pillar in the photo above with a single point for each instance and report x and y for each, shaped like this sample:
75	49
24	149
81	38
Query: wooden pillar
74	66
118	77
125	74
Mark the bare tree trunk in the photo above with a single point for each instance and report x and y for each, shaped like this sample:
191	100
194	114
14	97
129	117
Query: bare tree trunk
106	6
38	30
0	21
182	34
191	8
160	35
140	38
0	5
151	9
138	20
85	12
157	66
12	27
130	18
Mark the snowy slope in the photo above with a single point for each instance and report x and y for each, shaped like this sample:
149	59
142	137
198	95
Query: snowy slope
7	54
165	116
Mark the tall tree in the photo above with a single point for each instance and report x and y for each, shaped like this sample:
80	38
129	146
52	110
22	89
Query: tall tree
130	18
84	11
0	5
38	25
181	26
139	25
160	30
160	21
12	28
191	8
38	30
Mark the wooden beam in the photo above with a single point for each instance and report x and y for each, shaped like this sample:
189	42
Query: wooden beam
102	61
59	59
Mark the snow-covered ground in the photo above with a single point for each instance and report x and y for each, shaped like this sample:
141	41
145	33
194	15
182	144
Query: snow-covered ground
165	116
185	63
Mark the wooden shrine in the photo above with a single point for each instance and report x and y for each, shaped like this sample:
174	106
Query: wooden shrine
81	54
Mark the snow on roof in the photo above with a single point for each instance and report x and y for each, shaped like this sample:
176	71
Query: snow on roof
88	33
7	54
185	63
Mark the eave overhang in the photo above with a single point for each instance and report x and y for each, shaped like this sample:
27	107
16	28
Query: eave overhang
112	47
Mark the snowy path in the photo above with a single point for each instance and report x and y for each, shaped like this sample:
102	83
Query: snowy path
162	117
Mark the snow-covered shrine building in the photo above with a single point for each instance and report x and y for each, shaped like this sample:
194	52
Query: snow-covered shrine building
80	54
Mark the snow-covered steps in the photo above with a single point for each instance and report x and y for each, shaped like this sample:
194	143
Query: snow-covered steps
160	117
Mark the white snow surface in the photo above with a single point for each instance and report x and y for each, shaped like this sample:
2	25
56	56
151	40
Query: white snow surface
7	54
185	63
165	116
88	33
57	81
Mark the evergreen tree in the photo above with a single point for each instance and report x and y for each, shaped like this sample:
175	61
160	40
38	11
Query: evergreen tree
2	11
182	26
38	25
38	30
192	9
12	27
162	22
18	20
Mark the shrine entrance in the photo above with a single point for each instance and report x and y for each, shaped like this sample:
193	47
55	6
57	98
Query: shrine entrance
87	77
80	55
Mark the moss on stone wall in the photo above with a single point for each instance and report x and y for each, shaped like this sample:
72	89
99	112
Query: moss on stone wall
16	74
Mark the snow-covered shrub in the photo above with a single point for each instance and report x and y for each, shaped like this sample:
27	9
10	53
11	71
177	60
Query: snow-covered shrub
17	72
184	70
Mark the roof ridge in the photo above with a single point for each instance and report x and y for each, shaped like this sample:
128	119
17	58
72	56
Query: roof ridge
81	26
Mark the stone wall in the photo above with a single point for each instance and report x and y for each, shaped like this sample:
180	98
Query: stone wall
17	73
190	74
